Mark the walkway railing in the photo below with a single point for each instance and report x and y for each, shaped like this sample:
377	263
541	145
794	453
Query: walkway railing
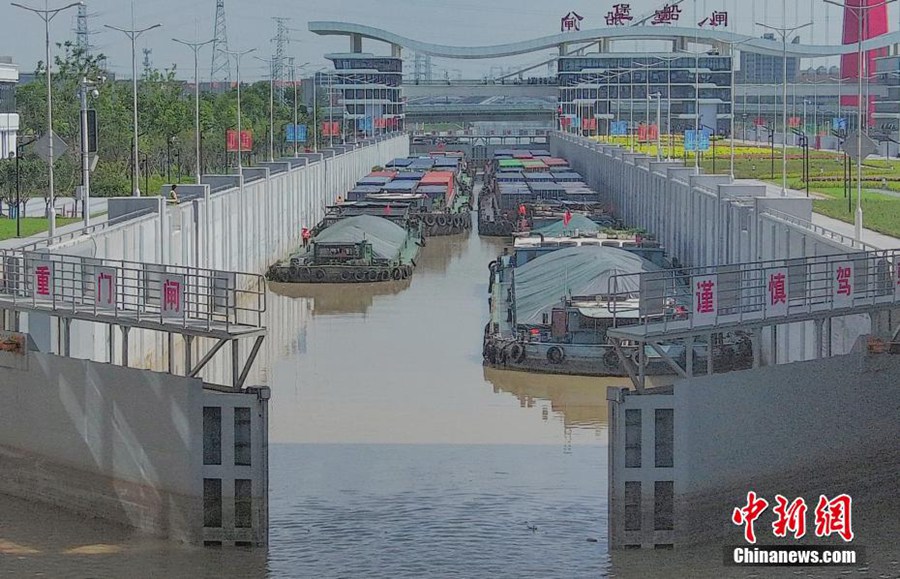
716	298
174	298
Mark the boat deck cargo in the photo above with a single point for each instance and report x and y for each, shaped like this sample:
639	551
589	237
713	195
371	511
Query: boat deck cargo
525	190
363	248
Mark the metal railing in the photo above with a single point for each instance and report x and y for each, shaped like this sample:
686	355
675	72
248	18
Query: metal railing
819	230
774	292
131	293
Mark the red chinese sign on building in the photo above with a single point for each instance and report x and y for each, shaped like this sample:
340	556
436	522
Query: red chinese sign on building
794	121
647	133
43	279
570	22
105	287
666	15
171	302
706	299
716	19
620	15
842	284
231	140
589	124
776	291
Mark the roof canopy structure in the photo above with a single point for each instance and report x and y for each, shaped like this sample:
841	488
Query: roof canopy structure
702	35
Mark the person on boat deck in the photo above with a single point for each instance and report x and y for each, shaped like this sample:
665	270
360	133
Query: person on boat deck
340	200
305	234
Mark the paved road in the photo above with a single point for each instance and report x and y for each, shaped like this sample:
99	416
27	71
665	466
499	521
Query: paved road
64	206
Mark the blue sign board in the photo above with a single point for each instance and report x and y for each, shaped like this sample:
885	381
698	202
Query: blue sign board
839	124
364	124
619	128
690	143
295	133
696	140
703	141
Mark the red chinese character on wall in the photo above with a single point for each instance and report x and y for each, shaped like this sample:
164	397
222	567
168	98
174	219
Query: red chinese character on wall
834	517
172	296
569	22
748	514
619	15
777	290
667	15
705	297
843	279
42	273
790	517
717	18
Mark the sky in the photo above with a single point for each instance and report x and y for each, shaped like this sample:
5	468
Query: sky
451	22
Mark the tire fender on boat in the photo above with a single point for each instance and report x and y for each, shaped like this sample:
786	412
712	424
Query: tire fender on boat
555	355
396	274
372	275
441	220
428	220
359	275
516	352
611	359
319	274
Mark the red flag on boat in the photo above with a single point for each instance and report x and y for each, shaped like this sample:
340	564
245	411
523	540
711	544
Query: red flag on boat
387	209
522	210
567	218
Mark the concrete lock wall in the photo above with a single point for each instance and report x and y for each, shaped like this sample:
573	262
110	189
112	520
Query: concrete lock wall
126	445
759	430
235	228
708	220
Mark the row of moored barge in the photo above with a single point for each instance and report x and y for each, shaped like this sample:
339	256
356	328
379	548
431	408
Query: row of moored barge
374	233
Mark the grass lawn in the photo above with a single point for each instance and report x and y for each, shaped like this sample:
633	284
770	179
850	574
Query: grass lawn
30	226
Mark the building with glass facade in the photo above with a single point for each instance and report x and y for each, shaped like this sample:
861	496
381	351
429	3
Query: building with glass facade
9	118
613	87
369	91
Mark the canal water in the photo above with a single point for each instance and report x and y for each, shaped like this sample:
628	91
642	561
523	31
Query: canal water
394	453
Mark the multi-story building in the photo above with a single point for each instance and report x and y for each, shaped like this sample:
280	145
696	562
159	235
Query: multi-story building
762	68
9	118
369	90
623	86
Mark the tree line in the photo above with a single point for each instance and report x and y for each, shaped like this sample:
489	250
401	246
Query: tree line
166	128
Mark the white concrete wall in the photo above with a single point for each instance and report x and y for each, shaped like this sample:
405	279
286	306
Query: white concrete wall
115	443
238	229
796	429
708	220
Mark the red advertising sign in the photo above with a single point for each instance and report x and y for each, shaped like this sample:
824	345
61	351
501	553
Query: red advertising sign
643	133
331	129
589	124
759	122
793	121
231	142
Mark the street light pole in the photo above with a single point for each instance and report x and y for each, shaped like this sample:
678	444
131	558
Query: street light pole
784	32
237	54
196	46
47	15
860	12
271	62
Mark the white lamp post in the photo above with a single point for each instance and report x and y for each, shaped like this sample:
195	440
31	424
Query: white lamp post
784	32
47	15
237	54
860	12
133	34
196	46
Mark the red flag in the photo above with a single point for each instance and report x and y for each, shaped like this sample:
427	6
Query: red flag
567	218
522	210
387	209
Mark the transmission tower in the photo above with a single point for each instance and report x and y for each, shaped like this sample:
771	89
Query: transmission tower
221	66
82	34
148	64
278	69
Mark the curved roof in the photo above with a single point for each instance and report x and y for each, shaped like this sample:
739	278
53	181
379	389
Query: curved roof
574	271
748	43
387	238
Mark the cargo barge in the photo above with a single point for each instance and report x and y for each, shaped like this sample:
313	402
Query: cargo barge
525	190
550	314
357	249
